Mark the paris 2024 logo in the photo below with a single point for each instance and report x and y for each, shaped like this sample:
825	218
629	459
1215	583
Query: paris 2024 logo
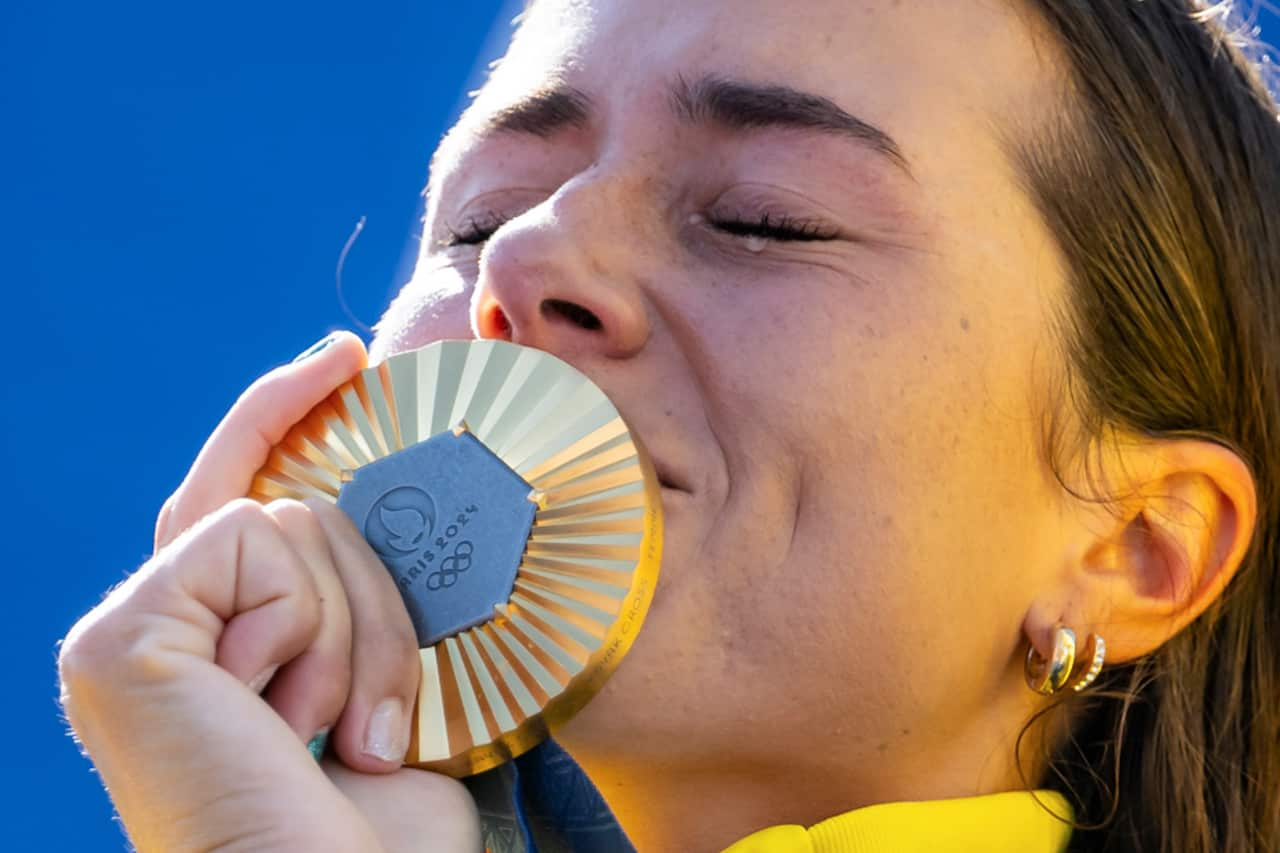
399	527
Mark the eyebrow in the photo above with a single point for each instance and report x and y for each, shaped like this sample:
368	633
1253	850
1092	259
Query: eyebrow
542	113
732	104
748	106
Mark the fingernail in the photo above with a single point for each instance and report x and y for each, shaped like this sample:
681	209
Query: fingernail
316	745
319	345
259	681
387	735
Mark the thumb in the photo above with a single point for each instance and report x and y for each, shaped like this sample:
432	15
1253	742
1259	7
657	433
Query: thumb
241	443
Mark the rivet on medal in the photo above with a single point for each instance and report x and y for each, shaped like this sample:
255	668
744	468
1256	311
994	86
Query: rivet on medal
519	517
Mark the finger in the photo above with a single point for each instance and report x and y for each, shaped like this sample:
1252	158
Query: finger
231	590
241	443
373	733
249	577
192	759
310	690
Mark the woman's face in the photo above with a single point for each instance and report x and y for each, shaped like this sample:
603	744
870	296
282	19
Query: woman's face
820	298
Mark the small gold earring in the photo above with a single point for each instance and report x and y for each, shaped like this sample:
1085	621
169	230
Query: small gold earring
1049	676
1052	675
1095	651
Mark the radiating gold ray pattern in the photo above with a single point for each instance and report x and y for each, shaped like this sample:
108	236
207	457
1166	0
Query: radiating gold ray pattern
493	691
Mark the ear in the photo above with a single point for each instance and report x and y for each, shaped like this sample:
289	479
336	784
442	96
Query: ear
1170	545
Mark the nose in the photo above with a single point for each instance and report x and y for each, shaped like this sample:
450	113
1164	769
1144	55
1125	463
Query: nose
566	276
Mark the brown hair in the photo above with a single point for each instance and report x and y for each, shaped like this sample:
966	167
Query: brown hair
1160	179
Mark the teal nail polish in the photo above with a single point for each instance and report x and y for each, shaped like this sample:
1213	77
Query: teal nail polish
317	744
316	347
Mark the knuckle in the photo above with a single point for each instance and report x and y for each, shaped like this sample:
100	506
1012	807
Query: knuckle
243	514
79	650
393	643
245	518
395	654
163	518
260	387
405	648
318	505
253	529
325	511
293	513
99	645
383	657
97	637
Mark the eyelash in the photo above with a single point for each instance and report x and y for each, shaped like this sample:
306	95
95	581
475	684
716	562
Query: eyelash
477	230
782	229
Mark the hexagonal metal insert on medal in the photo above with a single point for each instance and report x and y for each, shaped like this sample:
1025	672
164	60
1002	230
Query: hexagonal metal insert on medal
450	521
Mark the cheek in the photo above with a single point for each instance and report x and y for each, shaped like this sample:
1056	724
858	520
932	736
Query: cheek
906	443
427	309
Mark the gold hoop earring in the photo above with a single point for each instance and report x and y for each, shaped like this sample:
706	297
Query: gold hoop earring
1052	675
1095	652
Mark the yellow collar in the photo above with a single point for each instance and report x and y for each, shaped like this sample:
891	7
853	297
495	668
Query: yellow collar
1019	821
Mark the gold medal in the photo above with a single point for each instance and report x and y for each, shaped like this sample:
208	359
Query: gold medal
519	516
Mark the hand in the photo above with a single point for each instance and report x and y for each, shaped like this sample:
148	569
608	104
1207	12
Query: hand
160	681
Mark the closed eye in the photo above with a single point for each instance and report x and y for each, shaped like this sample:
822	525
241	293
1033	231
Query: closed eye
773	227
475	232
478	229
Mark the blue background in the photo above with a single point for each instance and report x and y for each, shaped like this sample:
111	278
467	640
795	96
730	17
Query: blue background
177	182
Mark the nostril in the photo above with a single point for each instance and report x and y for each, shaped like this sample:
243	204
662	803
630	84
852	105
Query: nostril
493	322
501	324
574	313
